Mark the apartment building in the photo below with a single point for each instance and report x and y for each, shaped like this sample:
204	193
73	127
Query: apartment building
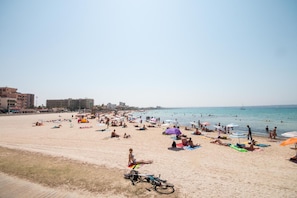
70	104
15	101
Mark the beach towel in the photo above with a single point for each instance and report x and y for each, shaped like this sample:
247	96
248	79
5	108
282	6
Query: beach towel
86	127
175	149
179	145
103	130
237	148
191	148
263	145
136	166
173	137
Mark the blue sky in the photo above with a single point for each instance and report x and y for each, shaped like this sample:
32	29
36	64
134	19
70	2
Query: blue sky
148	53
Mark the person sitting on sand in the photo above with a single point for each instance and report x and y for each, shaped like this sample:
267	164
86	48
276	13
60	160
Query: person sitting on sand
191	144
113	134
133	161
197	132
184	141
126	136
143	128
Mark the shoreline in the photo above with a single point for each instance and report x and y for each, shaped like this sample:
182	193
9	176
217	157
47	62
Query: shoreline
210	169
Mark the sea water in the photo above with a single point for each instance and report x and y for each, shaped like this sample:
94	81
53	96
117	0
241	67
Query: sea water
284	117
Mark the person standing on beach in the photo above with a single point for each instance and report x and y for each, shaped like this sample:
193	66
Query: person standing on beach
273	133
267	130
249	136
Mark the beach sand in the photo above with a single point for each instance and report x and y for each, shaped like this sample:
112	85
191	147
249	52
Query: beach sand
209	171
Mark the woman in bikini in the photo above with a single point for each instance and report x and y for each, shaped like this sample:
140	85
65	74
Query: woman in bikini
132	160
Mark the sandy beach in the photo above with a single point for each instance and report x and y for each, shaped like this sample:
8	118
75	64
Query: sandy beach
209	171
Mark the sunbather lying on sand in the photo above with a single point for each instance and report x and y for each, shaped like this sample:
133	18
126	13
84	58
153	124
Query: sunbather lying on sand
251	147
219	142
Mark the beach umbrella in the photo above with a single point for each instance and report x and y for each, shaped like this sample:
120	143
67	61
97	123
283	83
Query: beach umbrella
292	140
289	141
290	134
237	135
173	131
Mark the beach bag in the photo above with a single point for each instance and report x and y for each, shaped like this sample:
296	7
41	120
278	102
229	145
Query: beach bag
173	144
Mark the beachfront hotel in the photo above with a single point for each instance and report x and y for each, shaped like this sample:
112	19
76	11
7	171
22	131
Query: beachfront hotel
70	104
13	101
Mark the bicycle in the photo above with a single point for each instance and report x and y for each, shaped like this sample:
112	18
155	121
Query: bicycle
159	185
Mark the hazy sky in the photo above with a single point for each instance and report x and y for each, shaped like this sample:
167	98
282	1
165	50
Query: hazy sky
155	52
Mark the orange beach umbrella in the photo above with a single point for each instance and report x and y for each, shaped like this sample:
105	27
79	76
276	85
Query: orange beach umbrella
289	141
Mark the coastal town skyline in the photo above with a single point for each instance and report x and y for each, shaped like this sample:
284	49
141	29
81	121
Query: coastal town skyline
151	53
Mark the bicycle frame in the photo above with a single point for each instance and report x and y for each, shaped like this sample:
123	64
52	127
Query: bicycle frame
159	185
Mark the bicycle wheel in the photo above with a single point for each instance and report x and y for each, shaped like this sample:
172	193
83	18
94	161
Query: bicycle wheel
165	188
